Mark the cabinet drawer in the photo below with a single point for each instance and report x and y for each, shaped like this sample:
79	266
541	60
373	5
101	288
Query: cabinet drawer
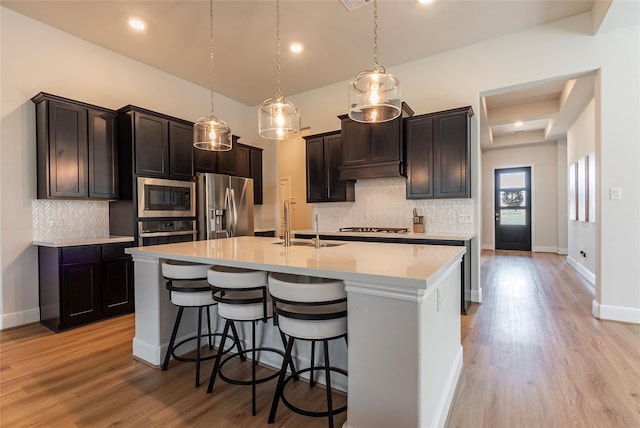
114	251
82	254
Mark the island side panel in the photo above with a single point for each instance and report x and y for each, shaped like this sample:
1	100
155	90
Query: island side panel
405	353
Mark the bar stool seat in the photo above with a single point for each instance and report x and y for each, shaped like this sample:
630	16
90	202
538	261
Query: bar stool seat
188	288
242	296
308	308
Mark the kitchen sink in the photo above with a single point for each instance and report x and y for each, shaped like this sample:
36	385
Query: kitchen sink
305	243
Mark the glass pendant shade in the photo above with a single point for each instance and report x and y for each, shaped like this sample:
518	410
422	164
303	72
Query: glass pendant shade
374	96
278	119
211	133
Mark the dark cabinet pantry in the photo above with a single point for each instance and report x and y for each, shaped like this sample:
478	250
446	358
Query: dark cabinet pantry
438	154
323	158
83	284
76	149
217	162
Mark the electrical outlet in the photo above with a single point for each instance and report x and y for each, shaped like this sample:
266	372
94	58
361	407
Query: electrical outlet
435	220
464	218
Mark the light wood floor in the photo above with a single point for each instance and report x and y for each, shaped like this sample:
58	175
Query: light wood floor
533	357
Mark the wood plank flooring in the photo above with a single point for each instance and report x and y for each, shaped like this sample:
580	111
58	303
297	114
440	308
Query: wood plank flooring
533	357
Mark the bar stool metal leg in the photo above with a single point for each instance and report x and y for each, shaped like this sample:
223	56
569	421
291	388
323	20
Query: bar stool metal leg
327	373
312	381
236	339
280	386
216	366
172	341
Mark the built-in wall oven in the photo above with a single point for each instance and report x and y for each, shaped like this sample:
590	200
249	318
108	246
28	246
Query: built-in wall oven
159	197
169	231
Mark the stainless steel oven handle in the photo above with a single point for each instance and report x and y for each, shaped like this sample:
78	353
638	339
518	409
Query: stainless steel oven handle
178	232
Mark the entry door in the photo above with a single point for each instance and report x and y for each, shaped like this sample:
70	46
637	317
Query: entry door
513	209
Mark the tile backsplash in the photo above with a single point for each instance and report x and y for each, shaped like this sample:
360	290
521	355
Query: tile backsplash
69	219
382	203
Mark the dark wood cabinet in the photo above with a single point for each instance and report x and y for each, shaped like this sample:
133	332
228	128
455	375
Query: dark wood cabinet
83	284
181	151
438	154
76	149
372	150
241	161
323	159
217	162
153	145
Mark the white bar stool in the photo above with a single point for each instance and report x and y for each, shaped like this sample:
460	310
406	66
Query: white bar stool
242	296
188	288
314	309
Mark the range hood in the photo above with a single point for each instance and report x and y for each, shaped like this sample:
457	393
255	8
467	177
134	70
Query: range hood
373	150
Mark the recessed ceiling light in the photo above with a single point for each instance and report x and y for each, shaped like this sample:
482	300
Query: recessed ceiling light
295	47
518	124
136	24
425	1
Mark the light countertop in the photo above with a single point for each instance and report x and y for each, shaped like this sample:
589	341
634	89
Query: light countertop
406	265
408	235
74	242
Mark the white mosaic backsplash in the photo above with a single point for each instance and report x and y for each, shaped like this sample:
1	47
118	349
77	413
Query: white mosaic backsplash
69	219
382	203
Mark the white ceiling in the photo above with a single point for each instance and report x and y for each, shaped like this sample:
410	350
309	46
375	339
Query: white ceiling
337	43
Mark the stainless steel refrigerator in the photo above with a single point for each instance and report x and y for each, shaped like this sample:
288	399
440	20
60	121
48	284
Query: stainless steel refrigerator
225	206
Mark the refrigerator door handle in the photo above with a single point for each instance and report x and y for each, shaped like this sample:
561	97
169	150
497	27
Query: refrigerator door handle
234	208
229	214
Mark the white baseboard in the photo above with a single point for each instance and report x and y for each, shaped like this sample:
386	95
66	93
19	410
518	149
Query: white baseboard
545	250
615	313
488	247
17	319
563	251
476	295
583	271
446	399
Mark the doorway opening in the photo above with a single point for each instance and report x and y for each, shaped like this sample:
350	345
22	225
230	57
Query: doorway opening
513	209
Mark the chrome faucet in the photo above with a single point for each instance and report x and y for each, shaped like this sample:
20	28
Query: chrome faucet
287	224
316	240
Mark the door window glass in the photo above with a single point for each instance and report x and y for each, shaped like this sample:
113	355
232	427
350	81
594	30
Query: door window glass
515	198
513	217
512	180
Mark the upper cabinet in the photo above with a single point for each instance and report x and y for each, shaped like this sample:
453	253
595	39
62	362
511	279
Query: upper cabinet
438	154
161	145
249	164
217	162
373	150
76	149
323	159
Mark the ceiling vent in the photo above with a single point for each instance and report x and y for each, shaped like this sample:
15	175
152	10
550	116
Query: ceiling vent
352	5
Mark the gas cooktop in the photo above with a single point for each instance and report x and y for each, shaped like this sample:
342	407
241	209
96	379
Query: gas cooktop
375	229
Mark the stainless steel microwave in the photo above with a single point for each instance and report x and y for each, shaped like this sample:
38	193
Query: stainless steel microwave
166	198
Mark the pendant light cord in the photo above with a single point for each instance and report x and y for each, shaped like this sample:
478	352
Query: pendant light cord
375	34
278	91
211	51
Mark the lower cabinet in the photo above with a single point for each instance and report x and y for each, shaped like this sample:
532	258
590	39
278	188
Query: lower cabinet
83	284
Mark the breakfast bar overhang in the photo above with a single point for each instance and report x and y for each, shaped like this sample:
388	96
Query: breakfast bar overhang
404	352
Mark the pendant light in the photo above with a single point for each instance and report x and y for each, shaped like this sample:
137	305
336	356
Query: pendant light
278	118
209	132
374	95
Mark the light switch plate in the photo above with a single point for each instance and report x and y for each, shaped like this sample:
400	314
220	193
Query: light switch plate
616	193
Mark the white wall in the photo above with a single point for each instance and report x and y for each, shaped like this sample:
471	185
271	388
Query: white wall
38	58
544	192
581	140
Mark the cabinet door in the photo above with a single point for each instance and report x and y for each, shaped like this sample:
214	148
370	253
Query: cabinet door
80	293
67	151
226	162
242	161
419	138
117	286
204	160
335	189
152	145
356	142
384	141
451	156
103	156
180	151
315	170
255	167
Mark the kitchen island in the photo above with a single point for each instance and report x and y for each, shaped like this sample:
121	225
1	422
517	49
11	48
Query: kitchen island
404	355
